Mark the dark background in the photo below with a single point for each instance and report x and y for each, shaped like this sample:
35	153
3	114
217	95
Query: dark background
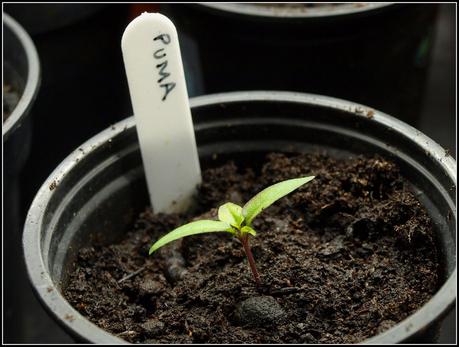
438	120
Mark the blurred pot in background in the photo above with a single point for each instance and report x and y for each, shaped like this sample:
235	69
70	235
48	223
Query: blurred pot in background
83	86
83	78
21	80
376	54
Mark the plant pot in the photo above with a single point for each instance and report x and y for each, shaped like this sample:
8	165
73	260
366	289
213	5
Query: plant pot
375	54
21	71
102	184
84	86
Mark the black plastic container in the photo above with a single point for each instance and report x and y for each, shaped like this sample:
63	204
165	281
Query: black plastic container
21	71
84	87
102	184
376	54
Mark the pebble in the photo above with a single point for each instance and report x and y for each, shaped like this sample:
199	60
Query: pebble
153	327
259	311
150	287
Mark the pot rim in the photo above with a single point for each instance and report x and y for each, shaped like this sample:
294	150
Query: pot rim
250	9
33	78
54	301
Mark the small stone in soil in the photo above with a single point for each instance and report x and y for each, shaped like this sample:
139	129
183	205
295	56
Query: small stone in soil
150	287
333	248
153	327
259	311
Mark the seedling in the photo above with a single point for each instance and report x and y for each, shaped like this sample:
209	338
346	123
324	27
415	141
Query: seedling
236	220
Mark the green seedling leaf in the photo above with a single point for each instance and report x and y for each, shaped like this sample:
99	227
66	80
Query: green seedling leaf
249	230
231	214
193	228
236	219
269	195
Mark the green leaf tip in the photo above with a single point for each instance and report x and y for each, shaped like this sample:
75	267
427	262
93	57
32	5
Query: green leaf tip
193	228
248	230
270	195
231	214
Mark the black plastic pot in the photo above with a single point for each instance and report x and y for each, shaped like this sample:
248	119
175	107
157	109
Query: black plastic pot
101	186
21	70
376	54
84	88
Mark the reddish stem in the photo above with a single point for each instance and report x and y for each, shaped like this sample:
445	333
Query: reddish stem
245	242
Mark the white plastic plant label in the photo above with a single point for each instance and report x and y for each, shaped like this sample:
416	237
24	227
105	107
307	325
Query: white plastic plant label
161	108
